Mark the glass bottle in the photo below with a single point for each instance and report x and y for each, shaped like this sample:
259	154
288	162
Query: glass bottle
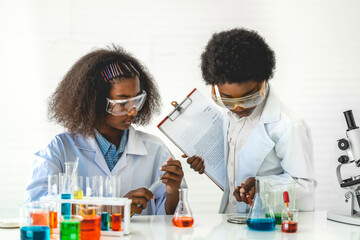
261	216
183	216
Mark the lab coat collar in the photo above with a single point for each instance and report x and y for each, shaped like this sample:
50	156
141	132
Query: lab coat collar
271	112
134	146
90	144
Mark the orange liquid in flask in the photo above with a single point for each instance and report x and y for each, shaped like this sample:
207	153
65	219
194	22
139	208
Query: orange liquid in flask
183	221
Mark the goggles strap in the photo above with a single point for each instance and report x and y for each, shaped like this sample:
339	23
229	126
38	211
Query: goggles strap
217	95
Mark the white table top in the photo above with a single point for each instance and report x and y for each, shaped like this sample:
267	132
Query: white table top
312	225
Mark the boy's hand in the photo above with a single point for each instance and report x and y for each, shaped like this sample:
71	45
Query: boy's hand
139	198
196	163
248	188
172	176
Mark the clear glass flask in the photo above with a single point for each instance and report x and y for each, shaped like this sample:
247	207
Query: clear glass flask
261	216
183	216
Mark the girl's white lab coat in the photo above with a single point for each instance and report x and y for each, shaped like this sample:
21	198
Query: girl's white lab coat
280	147
137	167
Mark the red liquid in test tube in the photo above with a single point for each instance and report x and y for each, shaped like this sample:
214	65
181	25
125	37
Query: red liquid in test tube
116	222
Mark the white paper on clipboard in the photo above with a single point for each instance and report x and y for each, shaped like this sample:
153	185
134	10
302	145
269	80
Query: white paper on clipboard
195	126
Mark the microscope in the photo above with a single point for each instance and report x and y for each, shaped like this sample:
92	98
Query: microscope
347	155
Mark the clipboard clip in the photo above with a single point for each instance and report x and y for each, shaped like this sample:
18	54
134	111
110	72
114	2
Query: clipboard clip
179	108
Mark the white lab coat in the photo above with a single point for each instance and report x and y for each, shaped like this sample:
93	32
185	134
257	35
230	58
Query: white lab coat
137	167
279	147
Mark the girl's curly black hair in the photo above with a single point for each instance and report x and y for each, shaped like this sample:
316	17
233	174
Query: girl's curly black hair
236	56
79	101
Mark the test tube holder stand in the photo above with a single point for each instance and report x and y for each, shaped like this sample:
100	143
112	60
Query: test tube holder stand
125	202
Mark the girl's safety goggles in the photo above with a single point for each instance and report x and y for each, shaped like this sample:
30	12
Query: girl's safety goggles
124	106
248	101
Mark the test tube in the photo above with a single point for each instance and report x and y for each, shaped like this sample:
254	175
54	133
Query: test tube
78	187
89	187
65	183
53	218
105	221
66	207
100	186
53	185
116	222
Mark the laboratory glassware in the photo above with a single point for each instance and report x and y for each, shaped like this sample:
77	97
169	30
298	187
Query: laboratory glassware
105	222
116	222
183	216
53	217
78	187
90	223
274	189
53	185
70	228
289	220
261	215
34	221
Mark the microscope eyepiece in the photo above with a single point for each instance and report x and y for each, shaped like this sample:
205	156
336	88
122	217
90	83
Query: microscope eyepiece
350	120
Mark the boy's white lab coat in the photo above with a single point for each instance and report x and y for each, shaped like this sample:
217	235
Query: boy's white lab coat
280	147
137	167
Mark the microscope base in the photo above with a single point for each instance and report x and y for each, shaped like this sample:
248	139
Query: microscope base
342	218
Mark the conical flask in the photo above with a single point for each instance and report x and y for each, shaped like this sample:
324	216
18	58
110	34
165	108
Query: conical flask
261	216
183	216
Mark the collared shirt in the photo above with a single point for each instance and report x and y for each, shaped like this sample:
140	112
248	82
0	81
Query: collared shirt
238	132
108	149
138	167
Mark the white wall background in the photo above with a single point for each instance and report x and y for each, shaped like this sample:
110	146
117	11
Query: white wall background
317	44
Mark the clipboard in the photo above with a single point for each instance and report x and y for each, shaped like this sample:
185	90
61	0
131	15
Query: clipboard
195	126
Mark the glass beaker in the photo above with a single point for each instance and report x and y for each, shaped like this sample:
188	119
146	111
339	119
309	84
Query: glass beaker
183	216
34	221
261	215
70	228
275	189
289	220
90	223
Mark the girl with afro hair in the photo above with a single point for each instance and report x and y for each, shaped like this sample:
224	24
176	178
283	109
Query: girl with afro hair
98	100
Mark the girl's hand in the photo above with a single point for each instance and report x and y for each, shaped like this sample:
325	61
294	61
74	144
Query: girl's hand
172	176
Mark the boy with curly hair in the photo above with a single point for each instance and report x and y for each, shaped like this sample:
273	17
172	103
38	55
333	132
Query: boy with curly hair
264	139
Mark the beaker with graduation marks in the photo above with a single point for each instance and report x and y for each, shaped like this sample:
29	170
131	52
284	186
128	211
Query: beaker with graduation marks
261	216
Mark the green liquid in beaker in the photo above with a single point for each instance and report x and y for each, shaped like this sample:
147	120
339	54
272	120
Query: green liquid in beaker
70	230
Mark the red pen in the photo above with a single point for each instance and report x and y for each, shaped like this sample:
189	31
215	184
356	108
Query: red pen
247	195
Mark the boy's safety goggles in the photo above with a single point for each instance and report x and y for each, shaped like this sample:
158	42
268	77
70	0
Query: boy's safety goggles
124	106
248	101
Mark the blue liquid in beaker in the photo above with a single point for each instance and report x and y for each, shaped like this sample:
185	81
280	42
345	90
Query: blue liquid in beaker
35	233
261	223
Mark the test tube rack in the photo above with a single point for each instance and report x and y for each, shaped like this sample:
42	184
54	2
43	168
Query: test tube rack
125	202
